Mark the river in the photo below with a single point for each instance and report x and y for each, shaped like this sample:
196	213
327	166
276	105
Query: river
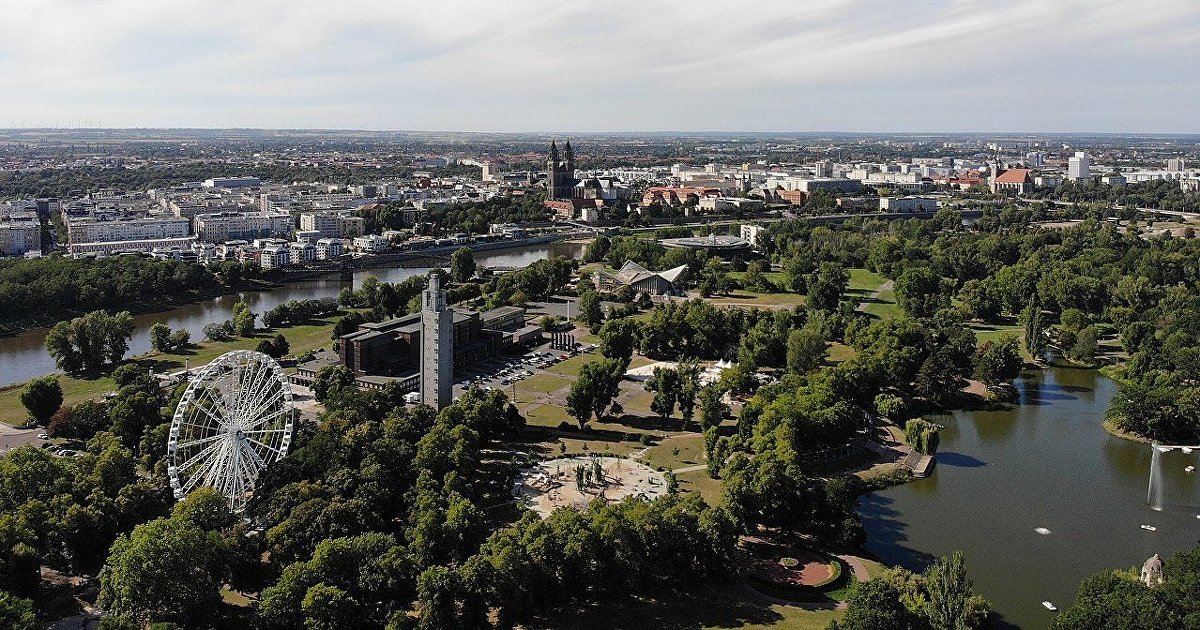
23	356
1046	462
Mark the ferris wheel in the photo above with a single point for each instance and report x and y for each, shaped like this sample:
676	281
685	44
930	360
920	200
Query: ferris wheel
234	419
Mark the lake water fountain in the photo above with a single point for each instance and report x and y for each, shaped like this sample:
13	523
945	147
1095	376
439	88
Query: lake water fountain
1154	492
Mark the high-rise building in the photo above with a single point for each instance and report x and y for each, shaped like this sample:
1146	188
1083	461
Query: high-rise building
1176	165
437	345
1078	167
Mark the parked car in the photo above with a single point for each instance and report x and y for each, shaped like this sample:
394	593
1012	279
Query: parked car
43	436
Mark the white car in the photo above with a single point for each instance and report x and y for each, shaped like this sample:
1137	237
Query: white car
412	398
43	436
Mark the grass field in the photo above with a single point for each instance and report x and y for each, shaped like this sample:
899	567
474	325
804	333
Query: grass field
77	389
863	280
701	607
750	299
886	306
677	452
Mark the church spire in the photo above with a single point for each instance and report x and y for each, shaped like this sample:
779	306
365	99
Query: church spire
553	151
568	154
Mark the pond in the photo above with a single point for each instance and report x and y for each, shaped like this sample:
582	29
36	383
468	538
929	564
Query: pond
1045	463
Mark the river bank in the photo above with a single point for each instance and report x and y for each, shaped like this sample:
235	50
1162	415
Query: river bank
22	356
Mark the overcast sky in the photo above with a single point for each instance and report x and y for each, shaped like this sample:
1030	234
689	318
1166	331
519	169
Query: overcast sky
604	65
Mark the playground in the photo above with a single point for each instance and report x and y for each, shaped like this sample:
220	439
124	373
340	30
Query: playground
579	480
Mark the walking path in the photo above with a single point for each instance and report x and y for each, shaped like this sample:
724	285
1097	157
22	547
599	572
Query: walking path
886	286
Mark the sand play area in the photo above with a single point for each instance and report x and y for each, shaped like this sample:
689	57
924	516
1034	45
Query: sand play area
577	481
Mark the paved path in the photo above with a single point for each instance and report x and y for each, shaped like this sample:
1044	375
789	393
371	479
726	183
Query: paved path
886	286
860	570
687	469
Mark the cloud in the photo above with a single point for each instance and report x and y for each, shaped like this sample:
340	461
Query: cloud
934	65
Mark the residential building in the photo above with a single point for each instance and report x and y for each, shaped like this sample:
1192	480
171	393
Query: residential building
328	248
223	226
1176	165
302	252
274	256
1078	167
140	234
752	233
371	244
20	235
908	204
333	224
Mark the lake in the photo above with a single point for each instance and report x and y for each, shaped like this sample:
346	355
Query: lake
1046	462
23	356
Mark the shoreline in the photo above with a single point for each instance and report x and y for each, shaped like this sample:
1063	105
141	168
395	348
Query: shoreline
286	278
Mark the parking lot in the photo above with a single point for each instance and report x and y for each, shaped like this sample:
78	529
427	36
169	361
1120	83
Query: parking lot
505	372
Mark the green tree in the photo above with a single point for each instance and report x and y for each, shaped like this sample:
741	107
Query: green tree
1035	331
205	508
665	385
619	338
921	292
952	603
42	397
16	613
243	319
712	408
462	264
160	337
88	343
595	389
164	570
998	362
589	309
329	379
827	286
806	350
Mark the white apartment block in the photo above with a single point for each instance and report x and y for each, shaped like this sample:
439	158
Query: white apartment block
19	236
83	230
908	204
371	243
302	252
1078	167
274	256
224	226
332	224
328	248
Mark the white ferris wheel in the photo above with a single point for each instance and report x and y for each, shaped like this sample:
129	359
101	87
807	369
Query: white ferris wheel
234	419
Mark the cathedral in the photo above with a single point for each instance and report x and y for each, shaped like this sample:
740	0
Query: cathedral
560	175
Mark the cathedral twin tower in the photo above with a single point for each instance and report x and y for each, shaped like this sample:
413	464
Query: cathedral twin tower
560	174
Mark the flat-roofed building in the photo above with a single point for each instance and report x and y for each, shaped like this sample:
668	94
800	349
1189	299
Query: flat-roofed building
223	226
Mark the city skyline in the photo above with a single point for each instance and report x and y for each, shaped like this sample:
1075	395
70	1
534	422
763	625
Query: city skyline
934	66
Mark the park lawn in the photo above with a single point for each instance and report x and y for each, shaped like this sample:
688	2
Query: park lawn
691	452
747	299
78	389
863	280
639	404
993	332
774	277
886	307
701	606
839	352
571	366
546	415
542	384
698	481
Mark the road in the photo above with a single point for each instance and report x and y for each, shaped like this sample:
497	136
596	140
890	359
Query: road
11	438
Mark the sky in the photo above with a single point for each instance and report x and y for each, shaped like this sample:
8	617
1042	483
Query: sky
605	65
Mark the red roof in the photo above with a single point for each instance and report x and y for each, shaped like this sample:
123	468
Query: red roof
1015	176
